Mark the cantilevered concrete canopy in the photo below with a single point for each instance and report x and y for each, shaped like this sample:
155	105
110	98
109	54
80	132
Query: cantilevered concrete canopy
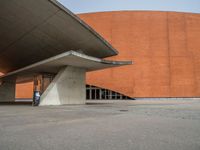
70	58
68	86
34	30
36	37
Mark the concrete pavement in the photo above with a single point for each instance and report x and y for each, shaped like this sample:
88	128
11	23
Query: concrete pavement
139	125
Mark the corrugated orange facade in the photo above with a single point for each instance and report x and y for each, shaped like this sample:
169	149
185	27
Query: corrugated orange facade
165	49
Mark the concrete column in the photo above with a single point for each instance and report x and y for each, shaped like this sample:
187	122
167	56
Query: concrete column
68	87
7	91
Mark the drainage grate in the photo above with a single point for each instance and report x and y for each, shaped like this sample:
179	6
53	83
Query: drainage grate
123	110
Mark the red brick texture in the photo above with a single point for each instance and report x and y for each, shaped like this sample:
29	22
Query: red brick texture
165	48
24	90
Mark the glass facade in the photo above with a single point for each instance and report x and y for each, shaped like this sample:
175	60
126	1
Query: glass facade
97	93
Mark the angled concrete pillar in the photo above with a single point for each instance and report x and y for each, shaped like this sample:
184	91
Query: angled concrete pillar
68	87
7	91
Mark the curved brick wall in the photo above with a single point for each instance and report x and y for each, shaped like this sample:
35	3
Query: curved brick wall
165	48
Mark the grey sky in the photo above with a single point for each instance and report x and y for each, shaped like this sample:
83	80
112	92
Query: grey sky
83	6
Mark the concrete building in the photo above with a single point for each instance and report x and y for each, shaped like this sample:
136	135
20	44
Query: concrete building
44	43
164	46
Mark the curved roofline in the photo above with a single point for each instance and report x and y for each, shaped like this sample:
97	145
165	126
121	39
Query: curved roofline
81	22
161	11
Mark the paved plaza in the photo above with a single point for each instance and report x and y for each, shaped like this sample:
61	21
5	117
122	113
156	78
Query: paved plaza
122	125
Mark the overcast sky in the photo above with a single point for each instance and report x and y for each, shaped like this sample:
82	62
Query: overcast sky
84	6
